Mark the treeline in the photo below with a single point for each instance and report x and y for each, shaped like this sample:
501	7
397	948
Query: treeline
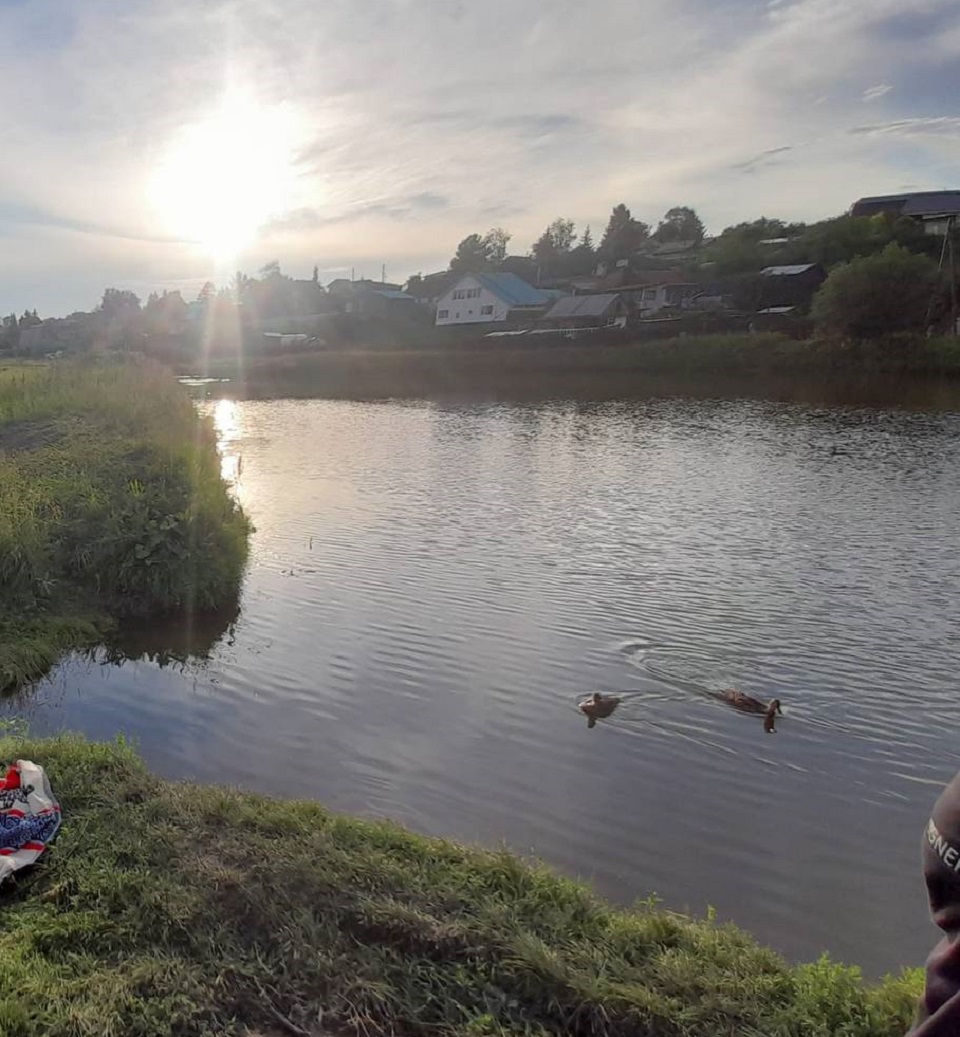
560	251
680	237
122	321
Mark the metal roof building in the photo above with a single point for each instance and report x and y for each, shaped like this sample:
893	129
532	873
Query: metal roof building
512	290
921	205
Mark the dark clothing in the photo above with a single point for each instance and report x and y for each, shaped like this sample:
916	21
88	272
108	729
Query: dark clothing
939	1014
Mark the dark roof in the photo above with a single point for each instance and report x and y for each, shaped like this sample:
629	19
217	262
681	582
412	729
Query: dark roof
511	289
921	204
582	306
394	296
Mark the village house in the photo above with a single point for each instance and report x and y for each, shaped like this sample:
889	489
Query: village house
365	298
485	298
793	285
656	297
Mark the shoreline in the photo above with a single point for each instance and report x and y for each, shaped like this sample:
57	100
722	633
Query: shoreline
170	906
763	366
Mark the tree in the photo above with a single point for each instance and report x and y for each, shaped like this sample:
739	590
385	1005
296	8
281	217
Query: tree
240	286
206	293
472	255
878	295
553	244
119	304
623	236
740	249
583	257
681	223
843	238
164	314
496	240
273	294
9	332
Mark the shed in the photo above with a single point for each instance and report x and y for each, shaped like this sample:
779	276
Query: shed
587	311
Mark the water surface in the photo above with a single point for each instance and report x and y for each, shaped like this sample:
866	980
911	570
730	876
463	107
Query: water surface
433	587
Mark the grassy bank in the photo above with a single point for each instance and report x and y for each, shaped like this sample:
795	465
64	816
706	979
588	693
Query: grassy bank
111	505
171	908
601	367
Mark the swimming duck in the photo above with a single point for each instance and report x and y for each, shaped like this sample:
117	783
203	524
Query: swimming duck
598	706
748	704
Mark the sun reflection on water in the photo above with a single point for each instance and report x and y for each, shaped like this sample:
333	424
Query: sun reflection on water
226	420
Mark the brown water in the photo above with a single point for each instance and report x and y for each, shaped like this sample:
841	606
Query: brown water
433	587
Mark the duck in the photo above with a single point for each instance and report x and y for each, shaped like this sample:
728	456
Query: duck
598	706
748	704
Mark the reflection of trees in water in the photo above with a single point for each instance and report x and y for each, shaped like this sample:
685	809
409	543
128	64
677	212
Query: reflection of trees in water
173	640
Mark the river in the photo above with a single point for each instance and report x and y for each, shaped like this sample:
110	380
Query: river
433	587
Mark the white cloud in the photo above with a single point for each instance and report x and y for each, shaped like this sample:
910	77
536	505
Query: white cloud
937	126
874	93
424	121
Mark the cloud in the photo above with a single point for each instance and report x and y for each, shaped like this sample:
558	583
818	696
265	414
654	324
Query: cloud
874	93
429	200
922	125
418	123
763	159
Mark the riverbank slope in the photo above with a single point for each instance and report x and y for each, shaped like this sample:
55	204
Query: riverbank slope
111	505
607	365
173	908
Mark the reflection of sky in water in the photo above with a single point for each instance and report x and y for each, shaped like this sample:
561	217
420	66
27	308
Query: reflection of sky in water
431	589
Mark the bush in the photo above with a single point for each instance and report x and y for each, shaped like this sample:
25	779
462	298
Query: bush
891	292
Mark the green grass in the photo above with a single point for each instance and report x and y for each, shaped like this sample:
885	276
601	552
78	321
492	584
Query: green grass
111	505
172	908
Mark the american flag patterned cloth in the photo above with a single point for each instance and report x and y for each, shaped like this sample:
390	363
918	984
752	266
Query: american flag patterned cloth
29	816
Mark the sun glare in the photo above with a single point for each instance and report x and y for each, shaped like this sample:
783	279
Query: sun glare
228	174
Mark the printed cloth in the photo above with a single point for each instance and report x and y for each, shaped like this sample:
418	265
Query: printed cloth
29	816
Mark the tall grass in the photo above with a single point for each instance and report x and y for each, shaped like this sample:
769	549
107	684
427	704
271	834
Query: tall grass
111	505
606	367
170	908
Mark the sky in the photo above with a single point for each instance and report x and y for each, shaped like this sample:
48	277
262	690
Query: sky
153	145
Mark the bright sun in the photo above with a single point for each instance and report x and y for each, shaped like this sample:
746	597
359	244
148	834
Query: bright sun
228	174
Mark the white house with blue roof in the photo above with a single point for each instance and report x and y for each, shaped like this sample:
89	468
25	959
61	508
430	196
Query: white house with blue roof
488	298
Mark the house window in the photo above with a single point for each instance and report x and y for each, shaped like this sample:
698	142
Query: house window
443	314
486	311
